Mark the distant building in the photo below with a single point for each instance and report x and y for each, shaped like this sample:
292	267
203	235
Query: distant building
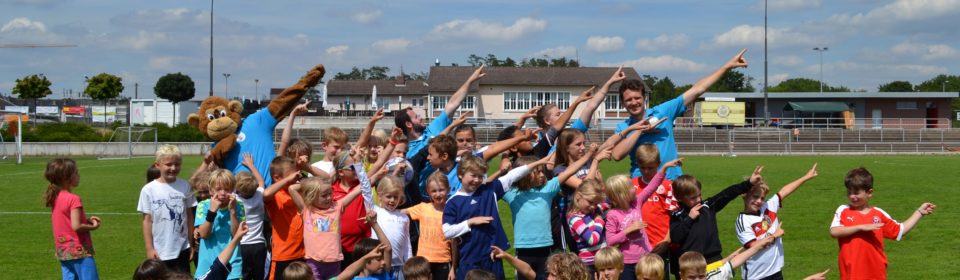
865	109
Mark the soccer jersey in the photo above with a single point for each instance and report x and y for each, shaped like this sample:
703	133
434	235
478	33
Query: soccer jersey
753	227
254	136
656	210
475	241
723	273
861	254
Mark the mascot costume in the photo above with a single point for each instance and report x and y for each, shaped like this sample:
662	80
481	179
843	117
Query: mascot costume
219	120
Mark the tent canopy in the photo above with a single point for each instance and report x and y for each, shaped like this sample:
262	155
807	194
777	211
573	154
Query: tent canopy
817	107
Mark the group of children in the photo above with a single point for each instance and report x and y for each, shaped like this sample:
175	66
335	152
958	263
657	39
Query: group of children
422	203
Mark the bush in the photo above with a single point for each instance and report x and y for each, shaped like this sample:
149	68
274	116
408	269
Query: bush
61	132
179	133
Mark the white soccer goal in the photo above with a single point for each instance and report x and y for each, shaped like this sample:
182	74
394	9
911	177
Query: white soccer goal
127	142
17	139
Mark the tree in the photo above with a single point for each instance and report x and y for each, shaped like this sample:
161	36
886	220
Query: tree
176	88
104	87
896	86
32	87
734	81
372	73
354	74
944	83
805	85
663	91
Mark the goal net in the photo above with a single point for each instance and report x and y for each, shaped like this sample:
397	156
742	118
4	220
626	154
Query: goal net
10	125
129	142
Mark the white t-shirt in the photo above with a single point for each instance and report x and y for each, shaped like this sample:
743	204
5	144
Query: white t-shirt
396	226
725	272
168	205
253	211
752	227
326	166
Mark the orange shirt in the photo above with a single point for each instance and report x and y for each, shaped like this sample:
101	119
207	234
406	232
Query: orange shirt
656	210
433	245
861	254
287	227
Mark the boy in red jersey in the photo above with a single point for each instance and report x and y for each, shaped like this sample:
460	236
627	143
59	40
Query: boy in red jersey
860	229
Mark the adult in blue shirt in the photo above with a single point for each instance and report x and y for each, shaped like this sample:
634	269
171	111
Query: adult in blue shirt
412	124
633	96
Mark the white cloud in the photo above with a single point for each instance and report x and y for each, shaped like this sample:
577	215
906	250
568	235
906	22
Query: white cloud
143	40
776	79
742	35
924	51
391	45
898	13
604	44
663	41
337	51
786	60
659	64
24	24
162	62
476	30
365	17
561	51
788	5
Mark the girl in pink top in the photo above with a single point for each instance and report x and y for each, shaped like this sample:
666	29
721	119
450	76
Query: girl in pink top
624	221
71	228
321	224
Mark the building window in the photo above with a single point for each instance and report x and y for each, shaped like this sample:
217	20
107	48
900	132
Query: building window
523	100
906	105
612	103
440	103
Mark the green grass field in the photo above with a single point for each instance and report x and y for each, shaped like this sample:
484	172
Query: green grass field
110	188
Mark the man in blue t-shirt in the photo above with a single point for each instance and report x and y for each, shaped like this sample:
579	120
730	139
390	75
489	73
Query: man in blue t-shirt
633	96
412	124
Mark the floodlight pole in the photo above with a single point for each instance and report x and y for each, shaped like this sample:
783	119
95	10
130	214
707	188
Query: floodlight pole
821	50
766	108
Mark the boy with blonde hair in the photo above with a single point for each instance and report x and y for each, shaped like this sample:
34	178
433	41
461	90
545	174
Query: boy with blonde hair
860	229
334	141
693	266
165	204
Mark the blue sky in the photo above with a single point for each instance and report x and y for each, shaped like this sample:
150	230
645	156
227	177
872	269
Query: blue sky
870	41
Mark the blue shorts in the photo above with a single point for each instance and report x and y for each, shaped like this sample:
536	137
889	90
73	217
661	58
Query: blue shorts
84	268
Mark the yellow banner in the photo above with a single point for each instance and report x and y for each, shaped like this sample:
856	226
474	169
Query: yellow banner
722	112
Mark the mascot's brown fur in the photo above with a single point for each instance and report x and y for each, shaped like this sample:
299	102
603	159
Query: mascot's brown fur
219	119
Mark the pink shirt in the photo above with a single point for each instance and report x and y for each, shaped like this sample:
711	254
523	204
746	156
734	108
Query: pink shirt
321	233
70	245
633	245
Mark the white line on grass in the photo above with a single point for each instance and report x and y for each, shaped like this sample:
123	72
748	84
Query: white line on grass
48	213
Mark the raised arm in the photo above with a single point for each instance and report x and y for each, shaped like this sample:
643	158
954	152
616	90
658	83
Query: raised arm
276	186
625	140
365	135
501	146
561	122
248	162
720	200
792	186
587	114
285	136
702	85
461	93
529	114
296	197
357	266
371	219
457	122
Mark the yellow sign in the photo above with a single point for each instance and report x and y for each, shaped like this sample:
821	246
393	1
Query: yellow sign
721	112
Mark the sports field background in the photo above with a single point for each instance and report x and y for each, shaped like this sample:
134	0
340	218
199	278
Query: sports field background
110	188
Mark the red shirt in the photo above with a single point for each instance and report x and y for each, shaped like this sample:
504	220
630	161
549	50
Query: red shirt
861	254
287	226
656	210
351	228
